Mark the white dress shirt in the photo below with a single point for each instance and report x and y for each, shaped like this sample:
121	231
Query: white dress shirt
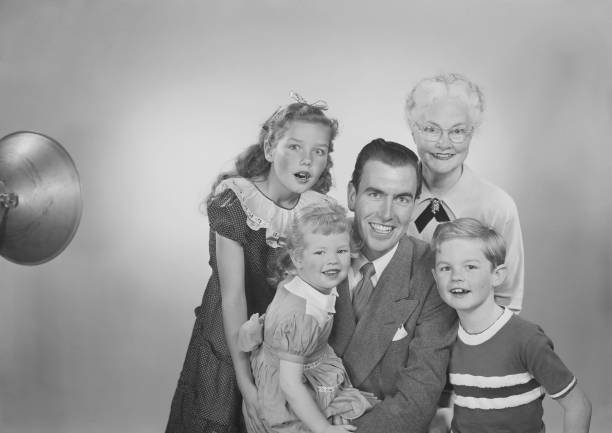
354	274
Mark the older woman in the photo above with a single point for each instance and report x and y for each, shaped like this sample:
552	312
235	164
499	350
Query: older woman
443	112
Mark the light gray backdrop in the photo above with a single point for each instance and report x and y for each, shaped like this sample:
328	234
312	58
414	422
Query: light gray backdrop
152	97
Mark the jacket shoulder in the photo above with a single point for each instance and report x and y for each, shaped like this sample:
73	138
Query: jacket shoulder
421	250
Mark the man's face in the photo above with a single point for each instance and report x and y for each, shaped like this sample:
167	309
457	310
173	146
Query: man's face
383	203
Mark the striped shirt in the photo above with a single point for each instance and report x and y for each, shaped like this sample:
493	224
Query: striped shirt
500	376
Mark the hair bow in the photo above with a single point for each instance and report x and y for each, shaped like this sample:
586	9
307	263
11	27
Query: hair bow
320	104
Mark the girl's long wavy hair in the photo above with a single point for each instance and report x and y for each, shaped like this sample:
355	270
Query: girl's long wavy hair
252	163
323	218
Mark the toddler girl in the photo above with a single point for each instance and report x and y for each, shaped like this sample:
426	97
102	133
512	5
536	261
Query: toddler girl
300	380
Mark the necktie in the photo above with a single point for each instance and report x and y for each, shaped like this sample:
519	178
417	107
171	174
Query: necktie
434	210
364	289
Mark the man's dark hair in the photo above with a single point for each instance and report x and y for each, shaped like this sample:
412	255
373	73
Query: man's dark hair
388	152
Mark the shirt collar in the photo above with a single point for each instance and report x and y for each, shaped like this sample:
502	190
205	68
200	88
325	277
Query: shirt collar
487	334
380	264
314	299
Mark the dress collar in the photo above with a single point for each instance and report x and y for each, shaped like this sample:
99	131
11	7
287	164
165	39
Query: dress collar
487	334
318	304
263	213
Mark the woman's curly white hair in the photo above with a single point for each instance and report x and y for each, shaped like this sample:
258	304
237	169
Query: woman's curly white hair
428	90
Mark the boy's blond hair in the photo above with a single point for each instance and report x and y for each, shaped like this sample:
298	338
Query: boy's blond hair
494	246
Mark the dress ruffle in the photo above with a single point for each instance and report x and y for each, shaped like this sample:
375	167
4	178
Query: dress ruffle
263	213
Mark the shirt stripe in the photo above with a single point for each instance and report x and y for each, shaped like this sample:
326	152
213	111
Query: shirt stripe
490	381
498	403
506	391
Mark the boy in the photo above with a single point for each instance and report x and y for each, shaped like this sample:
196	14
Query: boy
501	365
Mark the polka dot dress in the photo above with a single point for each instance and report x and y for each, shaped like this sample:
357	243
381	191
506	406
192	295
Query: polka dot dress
207	398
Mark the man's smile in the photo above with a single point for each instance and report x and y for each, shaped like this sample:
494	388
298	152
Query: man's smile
382	229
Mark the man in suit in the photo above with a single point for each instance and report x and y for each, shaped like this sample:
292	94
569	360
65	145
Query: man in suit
391	328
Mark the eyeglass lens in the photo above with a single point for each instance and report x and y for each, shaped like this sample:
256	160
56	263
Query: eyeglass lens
434	133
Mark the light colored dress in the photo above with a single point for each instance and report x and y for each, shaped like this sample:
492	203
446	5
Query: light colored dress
297	325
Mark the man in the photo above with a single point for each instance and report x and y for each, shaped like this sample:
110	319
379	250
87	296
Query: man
391	328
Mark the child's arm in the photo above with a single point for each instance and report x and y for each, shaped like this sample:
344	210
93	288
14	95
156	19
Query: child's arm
550	371
230	264
301	401
576	411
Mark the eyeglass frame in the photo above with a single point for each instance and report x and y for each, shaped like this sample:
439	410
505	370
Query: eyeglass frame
442	131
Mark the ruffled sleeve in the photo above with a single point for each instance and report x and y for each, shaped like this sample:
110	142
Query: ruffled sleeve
295	337
226	217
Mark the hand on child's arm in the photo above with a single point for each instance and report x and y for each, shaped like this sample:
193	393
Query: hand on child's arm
576	411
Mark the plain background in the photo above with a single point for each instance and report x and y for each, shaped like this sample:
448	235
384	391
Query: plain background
151	98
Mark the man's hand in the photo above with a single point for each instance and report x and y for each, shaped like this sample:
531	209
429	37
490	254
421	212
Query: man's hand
338	420
440	423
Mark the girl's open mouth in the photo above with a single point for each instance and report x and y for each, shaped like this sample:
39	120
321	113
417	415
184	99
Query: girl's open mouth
303	176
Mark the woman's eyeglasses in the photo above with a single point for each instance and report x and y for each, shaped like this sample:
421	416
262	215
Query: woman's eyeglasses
456	134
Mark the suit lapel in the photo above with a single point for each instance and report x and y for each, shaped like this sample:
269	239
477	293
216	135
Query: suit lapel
388	309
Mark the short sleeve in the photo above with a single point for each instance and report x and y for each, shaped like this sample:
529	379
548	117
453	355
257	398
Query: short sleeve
226	216
295	337
546	366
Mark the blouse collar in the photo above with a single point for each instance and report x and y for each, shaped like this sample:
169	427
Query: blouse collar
263	213
318	304
458	195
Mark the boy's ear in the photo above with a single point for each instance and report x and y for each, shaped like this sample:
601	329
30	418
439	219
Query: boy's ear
499	275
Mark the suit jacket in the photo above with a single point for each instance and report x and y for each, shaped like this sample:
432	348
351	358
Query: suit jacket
408	374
